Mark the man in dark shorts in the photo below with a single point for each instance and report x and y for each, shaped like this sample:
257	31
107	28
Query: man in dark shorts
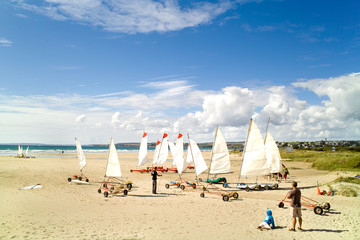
295	196
154	175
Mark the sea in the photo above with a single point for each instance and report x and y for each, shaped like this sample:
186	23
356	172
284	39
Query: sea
44	150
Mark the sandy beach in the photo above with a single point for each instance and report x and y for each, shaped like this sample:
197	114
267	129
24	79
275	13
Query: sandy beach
60	210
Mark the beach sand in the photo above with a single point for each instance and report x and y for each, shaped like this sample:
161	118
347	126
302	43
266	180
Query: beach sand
60	210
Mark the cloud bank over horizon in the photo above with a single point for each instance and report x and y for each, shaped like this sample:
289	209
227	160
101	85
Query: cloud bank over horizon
93	119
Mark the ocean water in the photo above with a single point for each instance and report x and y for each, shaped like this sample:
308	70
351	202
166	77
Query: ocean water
40	150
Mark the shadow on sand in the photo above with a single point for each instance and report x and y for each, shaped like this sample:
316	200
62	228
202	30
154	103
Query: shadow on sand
323	230
152	195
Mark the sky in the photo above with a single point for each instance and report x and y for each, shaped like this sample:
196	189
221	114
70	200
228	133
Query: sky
95	69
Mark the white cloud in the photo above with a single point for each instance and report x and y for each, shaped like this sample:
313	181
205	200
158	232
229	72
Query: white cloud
21	15
5	42
81	118
39	118
343	93
141	16
115	118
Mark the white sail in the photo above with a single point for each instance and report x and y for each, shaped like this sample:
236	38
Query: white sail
113	164
164	150
177	150
195	154
143	154
189	158
180	148
156	152
220	159
80	154
27	152
254	156
272	154
181	165
19	151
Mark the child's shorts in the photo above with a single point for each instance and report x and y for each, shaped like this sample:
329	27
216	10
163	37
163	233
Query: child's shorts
264	225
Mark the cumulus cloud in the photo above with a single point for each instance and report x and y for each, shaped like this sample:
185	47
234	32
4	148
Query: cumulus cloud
342	93
336	116
230	107
141	16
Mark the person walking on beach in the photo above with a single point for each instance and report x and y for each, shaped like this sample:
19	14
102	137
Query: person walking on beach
154	175
295	196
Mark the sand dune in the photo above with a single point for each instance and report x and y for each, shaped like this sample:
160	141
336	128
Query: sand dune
60	210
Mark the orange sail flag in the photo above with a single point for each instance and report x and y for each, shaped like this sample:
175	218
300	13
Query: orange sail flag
145	134
158	142
165	135
180	135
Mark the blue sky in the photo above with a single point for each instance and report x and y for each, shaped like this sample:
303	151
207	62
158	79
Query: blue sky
95	69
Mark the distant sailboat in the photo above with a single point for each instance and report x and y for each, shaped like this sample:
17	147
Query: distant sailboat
80	154
81	179
111	183
20	151
26	155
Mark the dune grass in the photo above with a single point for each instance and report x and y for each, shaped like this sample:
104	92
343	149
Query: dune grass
347	180
326	160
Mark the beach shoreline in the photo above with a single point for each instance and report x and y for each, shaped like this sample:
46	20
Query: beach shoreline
60	210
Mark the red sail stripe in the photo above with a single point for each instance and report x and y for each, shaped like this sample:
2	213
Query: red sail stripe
165	135
180	135
158	142
145	134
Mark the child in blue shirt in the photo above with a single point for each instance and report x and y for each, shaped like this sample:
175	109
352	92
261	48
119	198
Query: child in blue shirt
268	223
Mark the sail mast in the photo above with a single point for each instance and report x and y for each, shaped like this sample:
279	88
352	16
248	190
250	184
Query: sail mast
244	150
267	125
212	152
157	160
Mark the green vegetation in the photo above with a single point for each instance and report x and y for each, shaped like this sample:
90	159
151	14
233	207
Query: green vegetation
347	191
346	160
345	186
347	180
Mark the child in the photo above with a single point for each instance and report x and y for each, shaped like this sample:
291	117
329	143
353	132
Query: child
269	220
286	171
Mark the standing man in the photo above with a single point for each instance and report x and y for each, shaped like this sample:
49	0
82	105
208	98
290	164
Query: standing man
295	196
154	175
